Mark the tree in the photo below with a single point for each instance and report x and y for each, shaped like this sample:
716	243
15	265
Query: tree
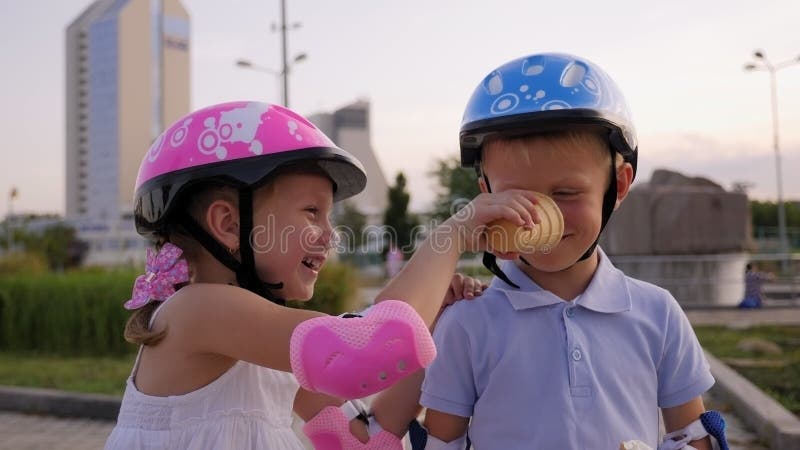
456	186
57	243
765	219
397	218
351	223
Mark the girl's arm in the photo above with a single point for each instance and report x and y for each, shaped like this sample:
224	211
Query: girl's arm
425	278
397	406
231	322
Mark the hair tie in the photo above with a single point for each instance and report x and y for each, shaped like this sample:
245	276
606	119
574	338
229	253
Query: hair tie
163	270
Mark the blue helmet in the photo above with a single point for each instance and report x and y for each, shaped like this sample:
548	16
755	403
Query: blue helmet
546	92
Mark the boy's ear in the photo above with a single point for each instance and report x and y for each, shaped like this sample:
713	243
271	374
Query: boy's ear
624	180
222	222
482	185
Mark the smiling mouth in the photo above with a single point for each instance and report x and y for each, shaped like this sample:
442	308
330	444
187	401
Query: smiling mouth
313	263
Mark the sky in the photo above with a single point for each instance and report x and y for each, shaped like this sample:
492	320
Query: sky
679	63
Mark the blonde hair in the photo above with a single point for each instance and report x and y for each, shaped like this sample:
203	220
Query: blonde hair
520	149
198	199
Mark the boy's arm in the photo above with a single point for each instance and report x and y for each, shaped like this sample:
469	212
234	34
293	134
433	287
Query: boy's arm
445	427
680	416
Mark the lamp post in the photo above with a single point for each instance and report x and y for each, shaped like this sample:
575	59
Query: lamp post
285	65
762	63
12	195
283	74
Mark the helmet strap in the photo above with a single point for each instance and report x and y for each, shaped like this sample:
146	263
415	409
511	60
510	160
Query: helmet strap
246	275
490	260
245	270
609	200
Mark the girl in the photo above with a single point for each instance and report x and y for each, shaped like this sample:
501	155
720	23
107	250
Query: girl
237	197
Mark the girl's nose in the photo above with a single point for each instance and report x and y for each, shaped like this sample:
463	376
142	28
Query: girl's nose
325	235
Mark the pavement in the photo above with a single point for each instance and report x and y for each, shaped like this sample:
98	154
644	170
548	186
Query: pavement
744	318
748	419
34	432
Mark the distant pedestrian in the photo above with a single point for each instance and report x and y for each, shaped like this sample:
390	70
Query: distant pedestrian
753	279
394	262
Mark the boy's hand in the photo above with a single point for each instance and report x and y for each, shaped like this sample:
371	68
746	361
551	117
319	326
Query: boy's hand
470	222
461	287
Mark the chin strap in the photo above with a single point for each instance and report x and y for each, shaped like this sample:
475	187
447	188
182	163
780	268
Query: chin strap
245	270
609	200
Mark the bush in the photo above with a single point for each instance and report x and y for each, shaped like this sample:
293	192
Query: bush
81	313
69	314
335	291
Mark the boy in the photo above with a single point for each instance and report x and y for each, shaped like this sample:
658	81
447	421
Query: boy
563	351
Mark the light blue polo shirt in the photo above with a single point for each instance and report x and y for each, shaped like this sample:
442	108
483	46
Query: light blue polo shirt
536	372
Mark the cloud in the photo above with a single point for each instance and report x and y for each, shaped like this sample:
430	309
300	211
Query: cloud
725	162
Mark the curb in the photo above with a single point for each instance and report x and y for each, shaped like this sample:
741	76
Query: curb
768	418
59	403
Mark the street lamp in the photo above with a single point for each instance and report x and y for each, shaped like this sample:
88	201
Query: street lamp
12	195
762	63
281	74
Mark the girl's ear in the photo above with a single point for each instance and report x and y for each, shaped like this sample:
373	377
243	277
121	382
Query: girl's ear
624	180
222	222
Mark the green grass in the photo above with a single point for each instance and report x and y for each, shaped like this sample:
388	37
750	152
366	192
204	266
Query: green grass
782	383
103	375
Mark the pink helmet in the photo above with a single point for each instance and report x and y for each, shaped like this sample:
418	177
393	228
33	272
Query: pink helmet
237	143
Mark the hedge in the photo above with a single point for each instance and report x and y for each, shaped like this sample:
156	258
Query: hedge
81	313
69	314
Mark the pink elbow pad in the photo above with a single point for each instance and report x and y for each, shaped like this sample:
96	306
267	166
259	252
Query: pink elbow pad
355	357
330	430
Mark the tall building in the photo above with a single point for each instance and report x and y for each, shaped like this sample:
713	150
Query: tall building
349	128
127	76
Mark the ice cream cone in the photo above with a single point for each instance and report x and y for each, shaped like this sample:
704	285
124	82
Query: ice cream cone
505	236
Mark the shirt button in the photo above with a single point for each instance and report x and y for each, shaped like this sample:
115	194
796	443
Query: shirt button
570	311
577	355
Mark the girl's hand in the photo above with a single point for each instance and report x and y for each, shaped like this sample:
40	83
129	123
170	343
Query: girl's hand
470	222
462	287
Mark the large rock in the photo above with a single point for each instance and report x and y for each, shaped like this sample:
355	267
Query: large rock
674	214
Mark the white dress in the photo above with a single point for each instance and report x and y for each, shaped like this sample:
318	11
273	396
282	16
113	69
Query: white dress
247	407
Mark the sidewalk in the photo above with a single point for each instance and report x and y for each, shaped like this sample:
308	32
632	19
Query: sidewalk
30	432
743	318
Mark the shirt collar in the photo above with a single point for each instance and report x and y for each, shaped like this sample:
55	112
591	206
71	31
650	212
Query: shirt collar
606	293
